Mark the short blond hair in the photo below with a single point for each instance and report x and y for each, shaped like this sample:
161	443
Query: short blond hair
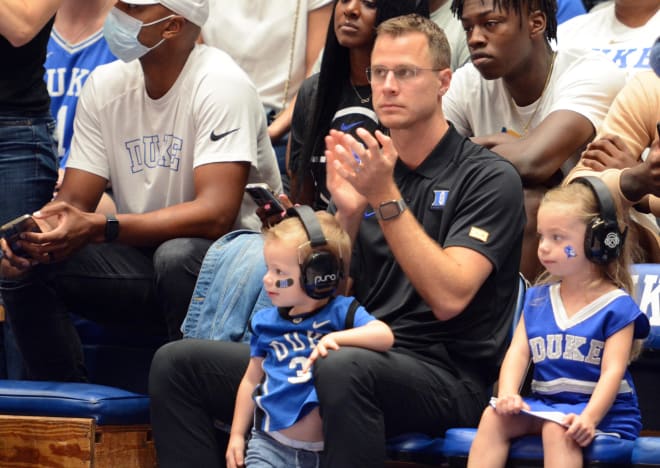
437	40
291	230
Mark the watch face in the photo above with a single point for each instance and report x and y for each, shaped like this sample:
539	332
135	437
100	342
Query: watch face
389	210
111	228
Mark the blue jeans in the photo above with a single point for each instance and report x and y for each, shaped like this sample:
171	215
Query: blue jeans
111	284
265	452
229	289
28	164
28	172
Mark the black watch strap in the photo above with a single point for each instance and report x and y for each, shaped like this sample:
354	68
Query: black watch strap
111	228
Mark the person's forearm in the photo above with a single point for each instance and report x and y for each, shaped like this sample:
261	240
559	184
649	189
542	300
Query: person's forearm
375	335
190	219
613	364
603	396
460	271
244	410
21	20
512	373
632	183
281	125
212	213
515	364
350	222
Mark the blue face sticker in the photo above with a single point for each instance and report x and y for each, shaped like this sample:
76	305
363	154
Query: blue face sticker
570	251
281	284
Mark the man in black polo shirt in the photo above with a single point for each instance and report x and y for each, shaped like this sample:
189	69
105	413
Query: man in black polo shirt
437	225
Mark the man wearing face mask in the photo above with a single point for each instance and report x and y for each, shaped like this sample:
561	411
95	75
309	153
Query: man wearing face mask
178	133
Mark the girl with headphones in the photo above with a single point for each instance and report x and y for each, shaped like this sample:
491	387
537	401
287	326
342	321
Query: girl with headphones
305	263
580	328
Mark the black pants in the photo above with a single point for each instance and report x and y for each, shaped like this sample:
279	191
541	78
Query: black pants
108	283
365	397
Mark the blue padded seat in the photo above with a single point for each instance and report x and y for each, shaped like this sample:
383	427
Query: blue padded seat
646	452
106	405
458	441
603	451
416	447
120	355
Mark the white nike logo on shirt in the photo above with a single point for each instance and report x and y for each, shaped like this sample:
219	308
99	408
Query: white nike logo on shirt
319	325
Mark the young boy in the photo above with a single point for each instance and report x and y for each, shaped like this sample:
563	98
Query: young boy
306	258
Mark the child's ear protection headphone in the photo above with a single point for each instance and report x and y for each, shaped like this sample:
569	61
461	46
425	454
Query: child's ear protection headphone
603	241
320	270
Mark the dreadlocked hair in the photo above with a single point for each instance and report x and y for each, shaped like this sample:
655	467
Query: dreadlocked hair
549	7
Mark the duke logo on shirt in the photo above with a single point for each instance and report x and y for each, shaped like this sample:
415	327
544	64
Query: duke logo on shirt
439	199
146	152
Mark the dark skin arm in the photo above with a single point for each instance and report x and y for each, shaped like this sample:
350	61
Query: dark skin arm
643	178
540	154
608	152
69	222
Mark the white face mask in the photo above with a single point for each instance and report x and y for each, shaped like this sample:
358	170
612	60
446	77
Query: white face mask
121	32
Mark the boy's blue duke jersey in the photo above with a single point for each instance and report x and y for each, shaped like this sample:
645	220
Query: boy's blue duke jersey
285	343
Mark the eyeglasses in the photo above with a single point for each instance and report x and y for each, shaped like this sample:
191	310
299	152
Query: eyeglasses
402	73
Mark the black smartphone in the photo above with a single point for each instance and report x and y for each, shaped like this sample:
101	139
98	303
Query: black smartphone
12	230
263	195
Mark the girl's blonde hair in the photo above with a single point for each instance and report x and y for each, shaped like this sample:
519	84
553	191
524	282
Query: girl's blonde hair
585	206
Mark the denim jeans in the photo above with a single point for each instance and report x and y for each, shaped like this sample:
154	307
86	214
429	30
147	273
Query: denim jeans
229	289
265	452
107	283
28	172
28	164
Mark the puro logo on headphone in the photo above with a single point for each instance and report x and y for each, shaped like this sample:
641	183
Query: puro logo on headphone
321	280
320	270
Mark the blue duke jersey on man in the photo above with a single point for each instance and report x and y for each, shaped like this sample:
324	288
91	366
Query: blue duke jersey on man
285	342
67	68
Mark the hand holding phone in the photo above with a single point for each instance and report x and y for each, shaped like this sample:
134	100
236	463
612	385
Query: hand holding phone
12	230
263	196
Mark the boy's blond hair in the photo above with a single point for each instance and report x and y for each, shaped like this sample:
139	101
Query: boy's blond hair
292	230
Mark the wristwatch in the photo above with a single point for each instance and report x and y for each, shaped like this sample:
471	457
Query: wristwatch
391	209
111	227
